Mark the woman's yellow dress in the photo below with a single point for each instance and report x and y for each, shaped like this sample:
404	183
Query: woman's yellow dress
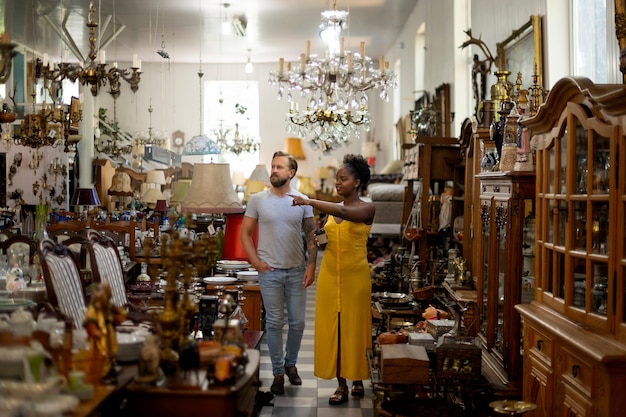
343	318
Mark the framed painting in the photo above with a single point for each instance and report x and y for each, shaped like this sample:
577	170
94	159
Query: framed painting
522	52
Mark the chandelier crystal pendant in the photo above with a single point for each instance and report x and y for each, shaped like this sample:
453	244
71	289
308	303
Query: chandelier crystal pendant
93	73
240	142
334	87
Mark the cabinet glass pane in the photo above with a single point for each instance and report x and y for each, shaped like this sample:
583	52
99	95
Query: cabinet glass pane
563	162
501	222
551	168
486	220
582	161
547	282
551	209
528	259
580	283
600	228
560	274
580	226
601	165
599	291
562	222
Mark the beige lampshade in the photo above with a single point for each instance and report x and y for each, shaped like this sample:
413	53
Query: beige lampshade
211	191
179	189
322	173
305	186
252	187
369	149
156	177
293	146
260	173
151	197
239	178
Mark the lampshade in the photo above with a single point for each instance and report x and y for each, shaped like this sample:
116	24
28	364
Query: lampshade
156	177
211	190
85	197
260	173
322	173
369	149
120	183
239	178
179	189
253	186
161	205
293	146
151	197
305	186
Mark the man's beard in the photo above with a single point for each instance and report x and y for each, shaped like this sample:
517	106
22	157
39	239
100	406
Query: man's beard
278	182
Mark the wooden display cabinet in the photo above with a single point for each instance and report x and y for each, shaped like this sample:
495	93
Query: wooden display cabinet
505	247
437	162
575	329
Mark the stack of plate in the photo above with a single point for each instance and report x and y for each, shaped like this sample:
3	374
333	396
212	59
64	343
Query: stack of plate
130	340
228	265
250	276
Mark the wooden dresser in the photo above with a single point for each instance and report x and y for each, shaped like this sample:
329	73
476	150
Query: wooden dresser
575	329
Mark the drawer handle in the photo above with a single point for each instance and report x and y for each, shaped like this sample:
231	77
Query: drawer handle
575	370
539	344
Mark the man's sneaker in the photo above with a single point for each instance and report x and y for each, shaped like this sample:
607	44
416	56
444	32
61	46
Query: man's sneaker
278	386
292	374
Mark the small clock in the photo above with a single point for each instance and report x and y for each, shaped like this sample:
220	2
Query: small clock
178	139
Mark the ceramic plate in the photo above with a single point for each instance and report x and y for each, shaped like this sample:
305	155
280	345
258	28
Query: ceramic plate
248	275
219	280
233	265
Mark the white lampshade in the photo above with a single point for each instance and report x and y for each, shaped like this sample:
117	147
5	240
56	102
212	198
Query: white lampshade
151	197
211	191
156	177
239	178
260	173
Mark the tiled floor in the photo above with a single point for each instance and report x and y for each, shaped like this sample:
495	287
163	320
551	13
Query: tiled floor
311	398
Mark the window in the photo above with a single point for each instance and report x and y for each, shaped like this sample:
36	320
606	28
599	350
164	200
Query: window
594	45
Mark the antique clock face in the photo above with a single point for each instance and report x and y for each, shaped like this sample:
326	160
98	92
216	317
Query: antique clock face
178	139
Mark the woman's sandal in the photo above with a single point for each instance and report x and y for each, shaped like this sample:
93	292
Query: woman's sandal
339	397
358	390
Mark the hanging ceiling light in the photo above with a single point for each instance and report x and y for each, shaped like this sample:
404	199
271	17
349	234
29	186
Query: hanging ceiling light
334	86
249	66
150	138
109	140
239	142
94	73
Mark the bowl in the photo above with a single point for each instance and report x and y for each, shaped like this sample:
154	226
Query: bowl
32	390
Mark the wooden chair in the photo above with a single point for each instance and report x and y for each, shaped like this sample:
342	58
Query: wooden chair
60	231
122	232
21	244
65	288
108	268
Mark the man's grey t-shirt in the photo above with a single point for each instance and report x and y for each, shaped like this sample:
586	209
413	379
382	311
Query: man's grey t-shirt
280	228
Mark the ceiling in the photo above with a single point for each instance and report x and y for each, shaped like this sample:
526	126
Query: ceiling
189	30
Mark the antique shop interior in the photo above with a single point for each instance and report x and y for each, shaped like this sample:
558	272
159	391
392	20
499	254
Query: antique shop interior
133	134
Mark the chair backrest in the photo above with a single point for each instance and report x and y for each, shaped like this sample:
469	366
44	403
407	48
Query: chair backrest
20	244
63	281
64	230
107	265
122	232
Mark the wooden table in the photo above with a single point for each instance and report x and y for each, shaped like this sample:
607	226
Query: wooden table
186	396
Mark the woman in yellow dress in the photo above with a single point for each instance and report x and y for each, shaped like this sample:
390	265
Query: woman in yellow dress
343	322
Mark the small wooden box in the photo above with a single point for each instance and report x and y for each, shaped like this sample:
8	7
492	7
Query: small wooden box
422	339
459	357
438	328
404	364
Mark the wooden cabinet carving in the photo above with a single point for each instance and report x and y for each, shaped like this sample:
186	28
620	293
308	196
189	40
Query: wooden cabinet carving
575	329
505	272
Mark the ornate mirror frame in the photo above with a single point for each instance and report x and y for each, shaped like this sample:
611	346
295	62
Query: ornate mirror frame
522	51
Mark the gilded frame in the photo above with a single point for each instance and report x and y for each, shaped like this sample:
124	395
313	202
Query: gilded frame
522	52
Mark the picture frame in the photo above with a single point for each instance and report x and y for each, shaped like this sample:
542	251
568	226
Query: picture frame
522	52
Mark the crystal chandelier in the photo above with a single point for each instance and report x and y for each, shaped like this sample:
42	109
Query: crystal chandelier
334	87
93	73
112	146
150	138
240	142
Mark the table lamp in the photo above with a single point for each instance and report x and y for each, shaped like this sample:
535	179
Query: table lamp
323	173
85	197
211	191
260	173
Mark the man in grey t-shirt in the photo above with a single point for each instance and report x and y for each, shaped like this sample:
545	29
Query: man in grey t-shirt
285	270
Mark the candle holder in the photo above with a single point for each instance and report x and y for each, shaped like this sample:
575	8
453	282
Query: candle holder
511	407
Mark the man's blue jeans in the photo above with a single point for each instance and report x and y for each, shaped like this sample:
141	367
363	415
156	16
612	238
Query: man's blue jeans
279	288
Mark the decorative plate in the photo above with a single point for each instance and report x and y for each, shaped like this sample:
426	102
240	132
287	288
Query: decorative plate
219	280
248	275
